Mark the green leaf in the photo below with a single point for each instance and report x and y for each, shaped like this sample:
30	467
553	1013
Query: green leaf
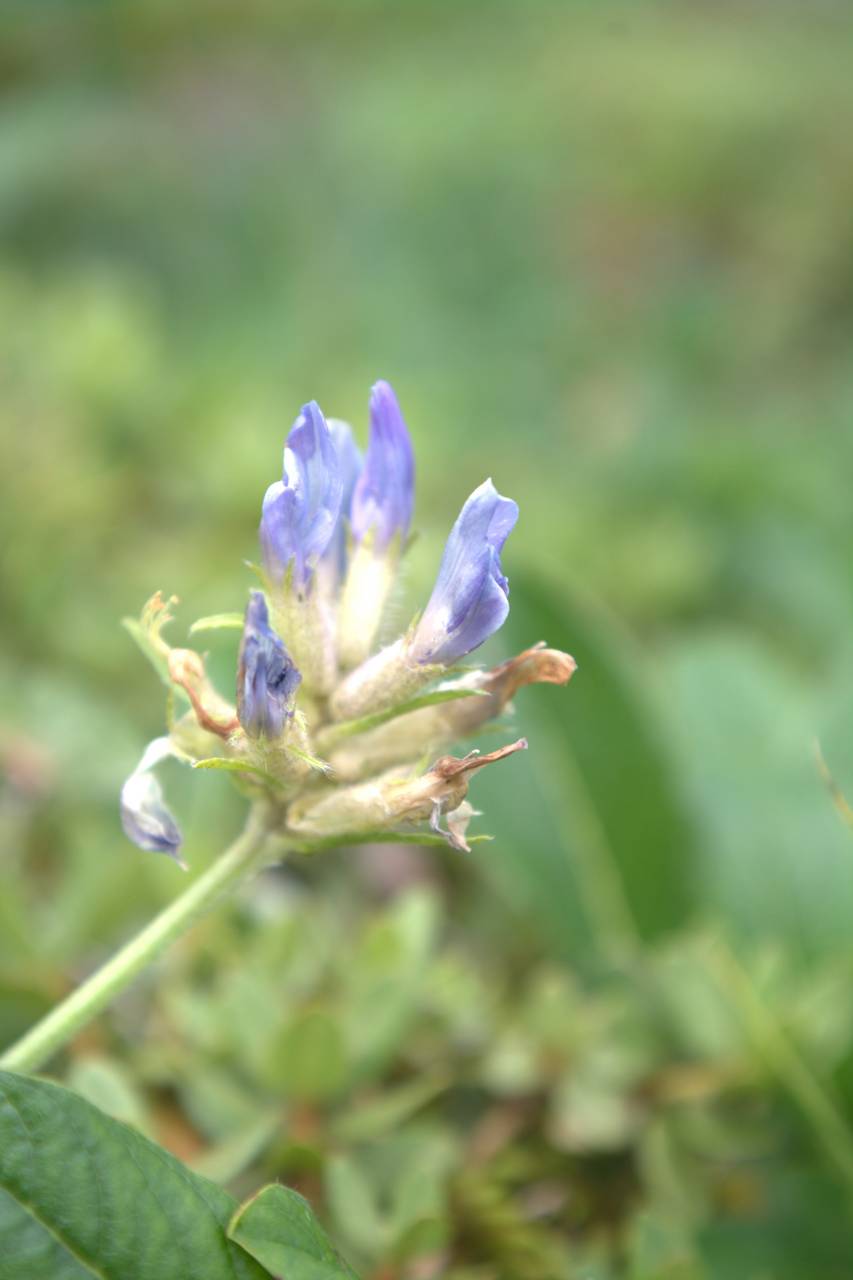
236	766
278	1228
391	1200
30	1252
743	723
424	838
218	622
242	766
320	765
227	1159
385	978
82	1195
109	1086
353	1205
307	1059
661	1249
346	728
388	1110
600	848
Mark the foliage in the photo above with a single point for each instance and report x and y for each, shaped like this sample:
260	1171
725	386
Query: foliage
82	1195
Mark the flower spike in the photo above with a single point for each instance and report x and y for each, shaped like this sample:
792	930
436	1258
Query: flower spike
327	733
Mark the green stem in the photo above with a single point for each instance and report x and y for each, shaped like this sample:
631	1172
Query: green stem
248	852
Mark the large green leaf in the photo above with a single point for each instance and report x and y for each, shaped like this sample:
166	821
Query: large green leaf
593	832
278	1228
777	859
30	1252
82	1195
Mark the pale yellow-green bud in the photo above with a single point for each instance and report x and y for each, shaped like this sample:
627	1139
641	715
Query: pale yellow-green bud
396	799
386	679
287	760
417	733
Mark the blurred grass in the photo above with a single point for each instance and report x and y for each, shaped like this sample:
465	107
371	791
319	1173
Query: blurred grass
604	254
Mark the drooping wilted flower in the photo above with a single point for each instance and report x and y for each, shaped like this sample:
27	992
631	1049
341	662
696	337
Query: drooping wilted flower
333	531
144	816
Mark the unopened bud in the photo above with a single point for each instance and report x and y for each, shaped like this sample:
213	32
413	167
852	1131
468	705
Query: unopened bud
395	799
410	736
386	679
267	678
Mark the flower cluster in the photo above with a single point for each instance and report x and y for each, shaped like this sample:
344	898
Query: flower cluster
327	734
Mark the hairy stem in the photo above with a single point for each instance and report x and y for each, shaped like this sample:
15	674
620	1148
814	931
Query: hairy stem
249	851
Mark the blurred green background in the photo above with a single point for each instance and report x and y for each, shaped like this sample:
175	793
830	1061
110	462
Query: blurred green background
605	255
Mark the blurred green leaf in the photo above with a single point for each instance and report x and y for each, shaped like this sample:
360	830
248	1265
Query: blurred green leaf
774	858
373	1118
218	622
661	1250
384	976
618	839
391	1196
109	1086
217	1104
225	1160
353	1204
308	1059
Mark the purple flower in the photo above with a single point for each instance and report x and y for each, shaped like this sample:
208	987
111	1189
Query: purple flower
301	510
266	676
349	467
145	818
470	597
384	494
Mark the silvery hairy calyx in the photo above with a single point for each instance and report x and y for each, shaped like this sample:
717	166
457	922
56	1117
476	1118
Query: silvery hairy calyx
336	738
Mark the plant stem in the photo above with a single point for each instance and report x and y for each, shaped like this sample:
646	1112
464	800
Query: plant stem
248	852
